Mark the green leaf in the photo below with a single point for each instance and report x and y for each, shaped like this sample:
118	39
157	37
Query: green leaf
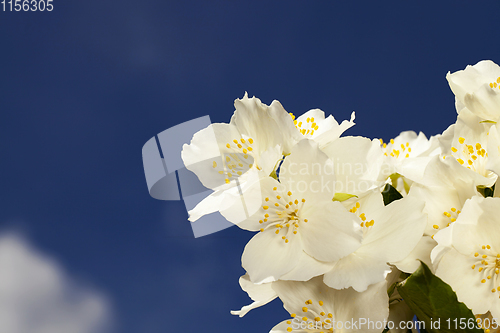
433	301
343	196
486	191
390	194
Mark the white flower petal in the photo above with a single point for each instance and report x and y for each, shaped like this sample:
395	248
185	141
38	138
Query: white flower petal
446	138
284	126
478	224
205	155
444	240
484	102
371	304
247	308
472	88
253	120
469	258
208	205
295	293
413	168
493	163
270	159
370	201
358	270
256	292
242	205
330	130
331	232
261	294
307	268
441	205
267	258
357	162
421	252
308	173
346	306
455	269
407	155
396	231
468	147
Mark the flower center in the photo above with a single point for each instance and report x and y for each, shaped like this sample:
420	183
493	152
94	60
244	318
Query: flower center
243	145
473	156
362	216
283	213
309	127
488	267
232	164
452	214
495	84
390	149
318	319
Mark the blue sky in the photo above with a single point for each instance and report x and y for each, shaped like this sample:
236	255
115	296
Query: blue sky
83	87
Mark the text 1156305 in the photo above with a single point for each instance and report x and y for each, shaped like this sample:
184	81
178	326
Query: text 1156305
27	5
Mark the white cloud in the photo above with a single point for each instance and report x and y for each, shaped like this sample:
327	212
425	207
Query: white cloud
37	296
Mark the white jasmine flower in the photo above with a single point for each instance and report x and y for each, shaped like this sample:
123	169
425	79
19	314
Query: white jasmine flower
445	189
225	156
406	157
390	233
471	262
311	125
468	147
298	222
478	89
229	157
315	308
